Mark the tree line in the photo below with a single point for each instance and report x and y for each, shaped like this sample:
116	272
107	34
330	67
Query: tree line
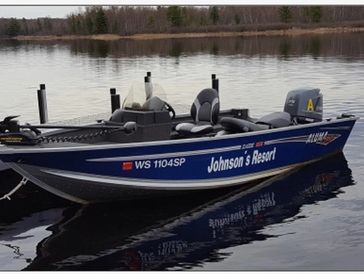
128	20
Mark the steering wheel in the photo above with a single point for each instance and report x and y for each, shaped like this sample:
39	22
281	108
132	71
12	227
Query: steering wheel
170	109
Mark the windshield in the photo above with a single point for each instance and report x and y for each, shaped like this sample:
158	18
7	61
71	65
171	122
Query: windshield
139	93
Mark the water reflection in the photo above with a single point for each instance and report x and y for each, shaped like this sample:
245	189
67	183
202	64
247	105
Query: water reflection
183	232
177	49
24	219
285	48
315	47
342	44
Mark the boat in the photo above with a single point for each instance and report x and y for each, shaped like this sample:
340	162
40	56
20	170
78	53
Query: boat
181	233
146	150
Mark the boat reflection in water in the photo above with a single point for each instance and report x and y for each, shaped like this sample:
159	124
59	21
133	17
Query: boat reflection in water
186	231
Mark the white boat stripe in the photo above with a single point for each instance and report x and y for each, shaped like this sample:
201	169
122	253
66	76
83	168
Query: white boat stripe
167	184
283	141
166	155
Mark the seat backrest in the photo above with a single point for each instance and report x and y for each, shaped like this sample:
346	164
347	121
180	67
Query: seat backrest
154	103
206	106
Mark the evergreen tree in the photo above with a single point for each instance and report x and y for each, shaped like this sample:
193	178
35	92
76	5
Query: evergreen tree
100	21
285	14
72	23
48	23
39	24
312	14
78	24
316	14
174	15
237	19
25	26
13	27
89	24
214	14
151	21
203	20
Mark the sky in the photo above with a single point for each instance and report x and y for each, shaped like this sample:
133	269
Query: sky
37	11
62	11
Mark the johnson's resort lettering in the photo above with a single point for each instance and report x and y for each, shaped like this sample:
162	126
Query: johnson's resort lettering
225	164
256	157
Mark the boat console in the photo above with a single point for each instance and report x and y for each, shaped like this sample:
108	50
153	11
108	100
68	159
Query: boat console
152	125
144	116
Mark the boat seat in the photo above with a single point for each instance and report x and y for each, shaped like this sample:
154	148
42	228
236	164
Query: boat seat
154	103
276	119
273	120
233	125
204	112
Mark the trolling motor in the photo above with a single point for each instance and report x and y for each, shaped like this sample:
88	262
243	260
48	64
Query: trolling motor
12	134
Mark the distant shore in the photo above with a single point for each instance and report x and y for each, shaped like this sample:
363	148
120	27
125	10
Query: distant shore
154	36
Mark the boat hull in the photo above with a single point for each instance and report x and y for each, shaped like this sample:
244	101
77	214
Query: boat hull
84	189
3	166
129	171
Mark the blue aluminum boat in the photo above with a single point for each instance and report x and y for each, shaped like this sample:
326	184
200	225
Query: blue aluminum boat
146	150
182	232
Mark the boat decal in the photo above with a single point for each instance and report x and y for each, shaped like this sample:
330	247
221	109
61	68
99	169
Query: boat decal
319	138
166	155
127	166
297	139
148	164
256	157
327	139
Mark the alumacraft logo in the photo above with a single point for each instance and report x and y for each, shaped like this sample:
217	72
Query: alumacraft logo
321	138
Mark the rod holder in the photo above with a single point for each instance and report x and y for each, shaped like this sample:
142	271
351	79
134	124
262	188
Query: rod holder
215	84
148	86
115	100
42	104
213	76
149	74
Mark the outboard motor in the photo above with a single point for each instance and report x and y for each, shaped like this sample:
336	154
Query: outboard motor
304	105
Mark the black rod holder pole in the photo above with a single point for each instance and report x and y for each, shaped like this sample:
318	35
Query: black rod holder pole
149	74
42	104
215	84
115	100
148	86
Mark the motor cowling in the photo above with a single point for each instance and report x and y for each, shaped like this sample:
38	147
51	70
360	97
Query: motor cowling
12	134
304	105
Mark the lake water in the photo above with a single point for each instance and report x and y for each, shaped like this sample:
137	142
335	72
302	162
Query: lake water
312	219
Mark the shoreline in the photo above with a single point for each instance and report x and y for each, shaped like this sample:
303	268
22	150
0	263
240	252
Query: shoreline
156	36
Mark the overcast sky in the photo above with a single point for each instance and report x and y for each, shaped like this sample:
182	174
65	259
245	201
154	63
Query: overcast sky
63	11
37	11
